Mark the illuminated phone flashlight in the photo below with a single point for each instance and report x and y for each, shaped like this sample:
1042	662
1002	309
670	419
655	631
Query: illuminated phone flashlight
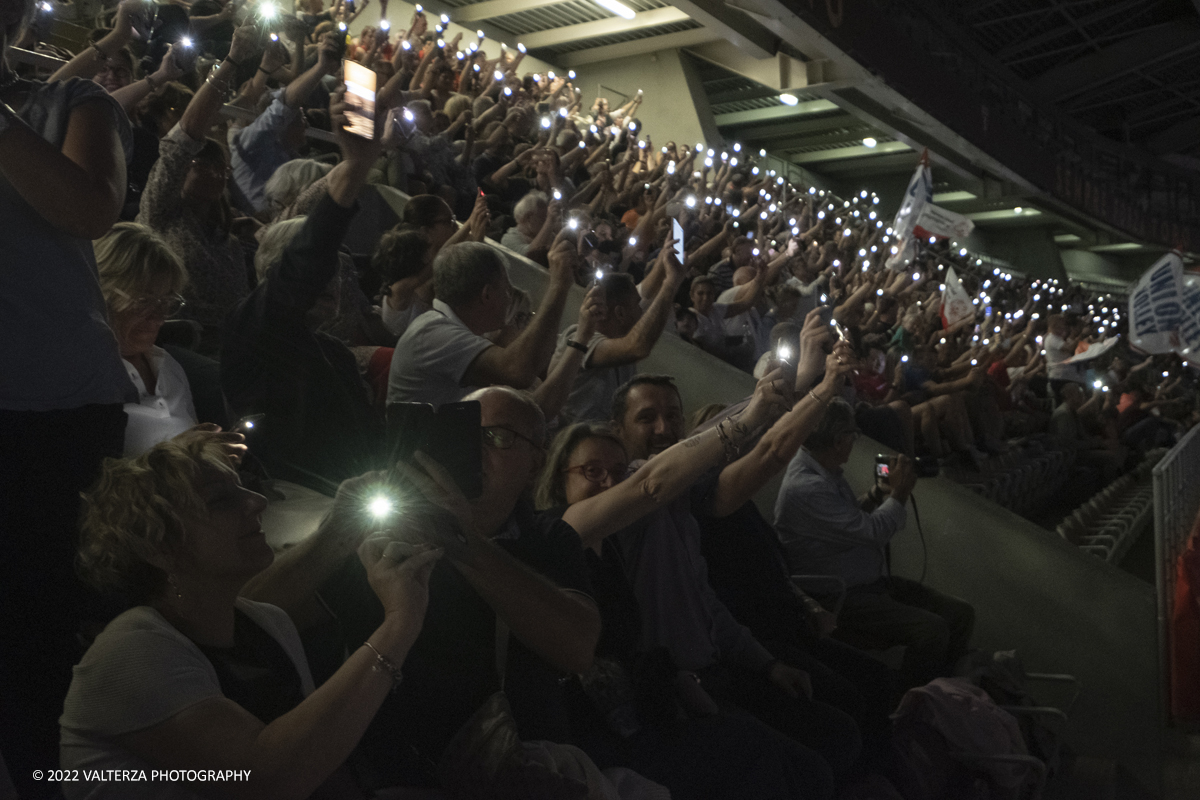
670	167
476	67
508	91
633	241
690	202
599	275
754	171
557	194
460	55
733	162
545	122
783	352
380	506
521	47
405	45
408	115
420	8
846	232
614	130
474	48
562	112
267	11
820	215
571	74
342	27
481	35
445	18
441	43
384	25
582	144
904	359
498	75
47	7
708	162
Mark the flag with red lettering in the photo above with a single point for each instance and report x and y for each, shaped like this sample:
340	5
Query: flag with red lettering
956	303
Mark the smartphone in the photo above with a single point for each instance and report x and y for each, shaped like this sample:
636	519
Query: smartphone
360	100
248	423
185	55
883	465
839	330
450	434
827	315
677	235
787	353
404	123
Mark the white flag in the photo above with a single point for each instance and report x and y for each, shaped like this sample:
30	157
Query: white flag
918	193
1156	310
943	224
956	303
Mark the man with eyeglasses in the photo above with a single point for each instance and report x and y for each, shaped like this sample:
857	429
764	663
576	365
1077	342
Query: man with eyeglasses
523	569
443	353
828	531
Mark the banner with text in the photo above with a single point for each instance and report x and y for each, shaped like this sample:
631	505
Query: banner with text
935	221
1156	310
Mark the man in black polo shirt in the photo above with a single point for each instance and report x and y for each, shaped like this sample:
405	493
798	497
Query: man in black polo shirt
525	569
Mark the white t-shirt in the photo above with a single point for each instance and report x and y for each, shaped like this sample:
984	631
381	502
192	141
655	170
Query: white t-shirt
432	357
159	416
1056	353
592	393
398	320
140	672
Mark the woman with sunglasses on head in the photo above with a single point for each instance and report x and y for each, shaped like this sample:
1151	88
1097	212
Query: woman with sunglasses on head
142	279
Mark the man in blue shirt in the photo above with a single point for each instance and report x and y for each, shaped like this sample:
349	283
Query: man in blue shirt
827	531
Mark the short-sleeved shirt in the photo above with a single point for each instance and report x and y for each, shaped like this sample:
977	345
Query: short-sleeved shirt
1056	354
592	393
451	669
160	415
710	332
138	673
398	320
59	352
432	357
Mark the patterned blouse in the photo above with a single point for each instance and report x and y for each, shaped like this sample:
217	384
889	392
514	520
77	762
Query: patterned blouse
216	264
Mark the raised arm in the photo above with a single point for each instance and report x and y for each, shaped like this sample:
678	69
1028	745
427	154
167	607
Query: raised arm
743	478
670	473
297	752
639	342
90	59
518	364
129	96
554	391
79	188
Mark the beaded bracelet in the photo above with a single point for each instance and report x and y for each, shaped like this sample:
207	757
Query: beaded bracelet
384	664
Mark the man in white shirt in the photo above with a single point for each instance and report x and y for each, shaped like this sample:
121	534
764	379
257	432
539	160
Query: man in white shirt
443	354
1060	347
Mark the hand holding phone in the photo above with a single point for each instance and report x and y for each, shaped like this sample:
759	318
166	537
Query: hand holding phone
677	235
360	100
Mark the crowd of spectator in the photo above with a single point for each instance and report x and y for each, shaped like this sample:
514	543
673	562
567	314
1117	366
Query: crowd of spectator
190	314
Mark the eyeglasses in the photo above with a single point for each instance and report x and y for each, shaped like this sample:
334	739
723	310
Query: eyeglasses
594	473
501	438
167	306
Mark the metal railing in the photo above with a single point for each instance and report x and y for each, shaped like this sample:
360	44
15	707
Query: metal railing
1176	502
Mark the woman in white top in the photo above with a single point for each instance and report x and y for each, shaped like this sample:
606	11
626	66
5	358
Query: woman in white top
142	278
194	677
404	261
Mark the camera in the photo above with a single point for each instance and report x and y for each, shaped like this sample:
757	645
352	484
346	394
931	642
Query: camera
882	467
923	466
